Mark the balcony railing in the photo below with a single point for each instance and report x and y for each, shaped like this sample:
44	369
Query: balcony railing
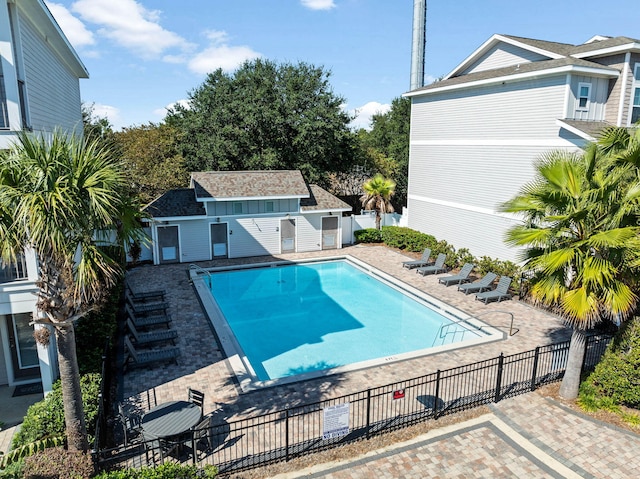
13	272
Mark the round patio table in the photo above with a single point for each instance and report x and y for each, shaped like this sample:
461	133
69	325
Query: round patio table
171	418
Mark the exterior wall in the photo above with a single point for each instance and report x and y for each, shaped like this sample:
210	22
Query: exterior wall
53	91
254	236
503	55
626	117
508	112
225	208
615	86
597	101
473	149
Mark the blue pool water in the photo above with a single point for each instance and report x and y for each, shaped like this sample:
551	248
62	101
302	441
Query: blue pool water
300	318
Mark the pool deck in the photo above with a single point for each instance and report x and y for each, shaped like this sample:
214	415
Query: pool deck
202	364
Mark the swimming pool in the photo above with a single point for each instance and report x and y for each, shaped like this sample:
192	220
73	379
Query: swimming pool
287	321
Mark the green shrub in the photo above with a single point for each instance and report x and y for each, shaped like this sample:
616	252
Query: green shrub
407	239
616	379
93	330
368	235
13	470
164	471
45	419
18	454
58	463
462	256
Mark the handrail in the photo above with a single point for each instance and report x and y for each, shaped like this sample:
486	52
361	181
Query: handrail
444	327
200	270
511	328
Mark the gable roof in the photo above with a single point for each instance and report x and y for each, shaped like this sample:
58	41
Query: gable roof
540	68
571	57
589	130
321	200
228	185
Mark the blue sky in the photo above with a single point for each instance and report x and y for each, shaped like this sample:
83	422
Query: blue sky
144	55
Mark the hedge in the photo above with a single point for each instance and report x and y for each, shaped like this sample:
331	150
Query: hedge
164	471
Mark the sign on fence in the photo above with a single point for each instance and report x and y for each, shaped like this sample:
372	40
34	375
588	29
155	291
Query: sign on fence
336	421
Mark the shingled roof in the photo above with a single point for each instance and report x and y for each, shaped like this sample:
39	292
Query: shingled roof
322	200
249	184
527	67
173	203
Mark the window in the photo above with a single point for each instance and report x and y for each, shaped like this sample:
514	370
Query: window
13	272
237	208
584	94
635	106
268	206
4	118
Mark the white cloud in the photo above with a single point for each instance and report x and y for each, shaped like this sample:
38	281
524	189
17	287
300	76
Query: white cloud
129	24
73	28
219	54
318	4
162	112
111	113
365	112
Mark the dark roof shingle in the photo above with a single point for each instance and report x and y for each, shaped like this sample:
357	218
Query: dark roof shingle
321	199
180	202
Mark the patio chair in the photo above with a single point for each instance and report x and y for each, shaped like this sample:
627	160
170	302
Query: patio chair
145	309
135	357
438	266
202	435
144	296
501	292
423	261
159	448
131	426
461	277
483	284
162	336
147	321
196	397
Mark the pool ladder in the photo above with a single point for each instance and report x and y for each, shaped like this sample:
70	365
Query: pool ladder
445	330
200	270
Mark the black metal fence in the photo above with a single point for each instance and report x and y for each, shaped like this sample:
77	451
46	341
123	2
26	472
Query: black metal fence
102	429
282	435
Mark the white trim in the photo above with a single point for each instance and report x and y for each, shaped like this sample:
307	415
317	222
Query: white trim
160	219
494	40
332	210
623	89
578	96
575	131
157	245
537	142
634	85
248	198
567	95
590	71
211	257
608	51
461	206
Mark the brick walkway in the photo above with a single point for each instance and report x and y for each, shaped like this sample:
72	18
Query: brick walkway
527	436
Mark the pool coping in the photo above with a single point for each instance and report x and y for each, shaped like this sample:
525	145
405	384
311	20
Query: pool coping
241	366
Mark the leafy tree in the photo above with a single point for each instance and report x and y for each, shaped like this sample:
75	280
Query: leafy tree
579	234
388	145
151	159
63	198
98	129
377	196
266	116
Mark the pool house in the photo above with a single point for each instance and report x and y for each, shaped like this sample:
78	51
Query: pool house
234	214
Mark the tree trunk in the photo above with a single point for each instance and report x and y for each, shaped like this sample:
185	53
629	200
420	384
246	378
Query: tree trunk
71	393
571	381
378	219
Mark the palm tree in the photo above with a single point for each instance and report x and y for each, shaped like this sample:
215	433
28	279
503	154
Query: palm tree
578	244
63	198
377	196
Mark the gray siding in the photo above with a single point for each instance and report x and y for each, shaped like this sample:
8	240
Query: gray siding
626	117
510	111
309	232
597	101
614	87
4	378
253	237
53	91
503	55
225	208
194	240
482	234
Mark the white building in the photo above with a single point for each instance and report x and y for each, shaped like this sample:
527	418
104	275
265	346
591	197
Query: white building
233	214
39	92
476	134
